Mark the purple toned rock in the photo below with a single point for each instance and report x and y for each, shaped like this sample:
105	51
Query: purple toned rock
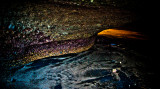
50	29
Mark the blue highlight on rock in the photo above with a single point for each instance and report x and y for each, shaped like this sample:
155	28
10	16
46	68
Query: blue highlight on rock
11	26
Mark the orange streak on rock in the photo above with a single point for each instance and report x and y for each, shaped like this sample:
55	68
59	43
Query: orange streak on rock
115	33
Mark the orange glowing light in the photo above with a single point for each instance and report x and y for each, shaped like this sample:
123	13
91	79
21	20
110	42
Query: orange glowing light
115	33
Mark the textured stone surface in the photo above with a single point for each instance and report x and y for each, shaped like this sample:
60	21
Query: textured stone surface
29	28
103	66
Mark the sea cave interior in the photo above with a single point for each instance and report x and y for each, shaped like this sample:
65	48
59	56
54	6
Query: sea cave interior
77	44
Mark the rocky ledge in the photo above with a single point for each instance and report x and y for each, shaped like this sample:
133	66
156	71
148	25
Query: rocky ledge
31	31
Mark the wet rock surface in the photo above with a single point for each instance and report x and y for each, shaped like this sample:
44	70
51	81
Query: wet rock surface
111	65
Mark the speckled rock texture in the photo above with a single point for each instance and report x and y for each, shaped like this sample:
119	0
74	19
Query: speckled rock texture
101	67
32	31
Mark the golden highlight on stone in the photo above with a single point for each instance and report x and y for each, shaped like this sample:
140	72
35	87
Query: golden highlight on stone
116	33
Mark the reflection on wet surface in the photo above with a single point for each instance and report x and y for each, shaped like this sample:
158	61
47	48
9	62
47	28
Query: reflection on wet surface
112	63
104	66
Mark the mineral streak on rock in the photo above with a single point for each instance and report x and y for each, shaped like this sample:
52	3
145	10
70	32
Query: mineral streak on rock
35	52
40	28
